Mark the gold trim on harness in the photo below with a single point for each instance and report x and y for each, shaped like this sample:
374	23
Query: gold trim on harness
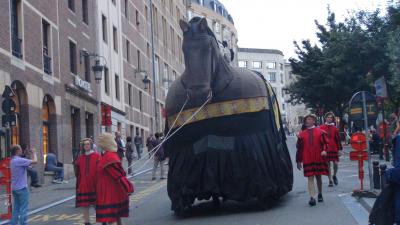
220	109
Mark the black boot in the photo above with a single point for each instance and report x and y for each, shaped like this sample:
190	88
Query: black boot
335	180
330	184
320	198
312	202
87	223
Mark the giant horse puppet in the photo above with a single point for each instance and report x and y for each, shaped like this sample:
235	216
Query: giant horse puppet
234	147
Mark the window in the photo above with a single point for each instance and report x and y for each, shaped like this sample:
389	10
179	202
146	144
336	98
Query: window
283	93
216	27
89	125
140	101
106	81
272	77
165	78
116	86
281	66
146	11
164	29
148	50
85	17
72	57
46	47
15	28
282	78
155	21
71	5
283	106
86	65
172	39
138	66
115	39
157	70
104	27
256	64
243	64
113	2
128	50
171	7
129	94
178	14
137	18
126	9
271	65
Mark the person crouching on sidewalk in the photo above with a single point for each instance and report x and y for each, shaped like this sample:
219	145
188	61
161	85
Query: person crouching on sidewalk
334	147
113	188
19	185
311	151
86	174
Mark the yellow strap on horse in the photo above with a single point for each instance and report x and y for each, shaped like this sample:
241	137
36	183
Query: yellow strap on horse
219	109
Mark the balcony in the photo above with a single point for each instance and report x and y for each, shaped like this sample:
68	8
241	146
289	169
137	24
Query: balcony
17	46
47	64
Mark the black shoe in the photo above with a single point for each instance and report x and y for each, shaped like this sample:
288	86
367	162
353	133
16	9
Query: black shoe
312	202
335	180
36	185
330	184
320	198
87	223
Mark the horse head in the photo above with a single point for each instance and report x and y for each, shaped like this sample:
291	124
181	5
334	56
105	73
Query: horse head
202	55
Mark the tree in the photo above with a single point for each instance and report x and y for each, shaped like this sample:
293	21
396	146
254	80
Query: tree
329	75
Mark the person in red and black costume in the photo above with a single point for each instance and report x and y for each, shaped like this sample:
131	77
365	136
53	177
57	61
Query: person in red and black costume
310	156
113	188
334	147
86	173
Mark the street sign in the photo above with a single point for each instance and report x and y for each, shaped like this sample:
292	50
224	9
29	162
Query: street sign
9	120
358	141
380	88
8	106
8	92
358	155
356	108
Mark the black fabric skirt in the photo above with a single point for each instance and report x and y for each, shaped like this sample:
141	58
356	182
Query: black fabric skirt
236	157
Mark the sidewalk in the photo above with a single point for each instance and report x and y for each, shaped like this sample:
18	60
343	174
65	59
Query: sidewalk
47	195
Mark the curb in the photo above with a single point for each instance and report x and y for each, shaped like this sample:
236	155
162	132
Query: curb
365	204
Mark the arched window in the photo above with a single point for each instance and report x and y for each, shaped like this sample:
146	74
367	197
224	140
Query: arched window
19	133
45	128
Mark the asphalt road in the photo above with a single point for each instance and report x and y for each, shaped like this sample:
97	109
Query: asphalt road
150	205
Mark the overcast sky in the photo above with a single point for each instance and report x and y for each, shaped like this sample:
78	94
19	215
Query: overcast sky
275	24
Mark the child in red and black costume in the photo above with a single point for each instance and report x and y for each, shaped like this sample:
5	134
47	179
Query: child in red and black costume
86	173
310	156
113	188
334	146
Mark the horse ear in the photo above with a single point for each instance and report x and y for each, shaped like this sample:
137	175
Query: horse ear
203	24
184	26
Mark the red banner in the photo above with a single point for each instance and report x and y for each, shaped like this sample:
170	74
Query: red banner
106	115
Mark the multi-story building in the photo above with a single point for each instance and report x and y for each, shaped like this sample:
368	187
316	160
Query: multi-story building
139	104
219	20
270	63
55	91
295	112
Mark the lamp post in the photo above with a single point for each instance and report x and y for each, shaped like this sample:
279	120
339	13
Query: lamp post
153	66
97	69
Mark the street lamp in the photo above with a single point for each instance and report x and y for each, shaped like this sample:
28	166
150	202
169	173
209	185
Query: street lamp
97	68
146	81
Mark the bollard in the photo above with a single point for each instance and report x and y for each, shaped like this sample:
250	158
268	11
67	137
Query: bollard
383	175
376	175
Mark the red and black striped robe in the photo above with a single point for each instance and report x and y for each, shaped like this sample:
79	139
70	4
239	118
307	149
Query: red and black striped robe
334	142
86	174
113	189
310	144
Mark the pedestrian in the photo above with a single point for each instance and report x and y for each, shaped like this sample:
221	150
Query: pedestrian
120	145
138	141
53	165
394	130
19	185
150	144
27	153
113	188
334	147
159	157
311	152
129	153
393	177
86	174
